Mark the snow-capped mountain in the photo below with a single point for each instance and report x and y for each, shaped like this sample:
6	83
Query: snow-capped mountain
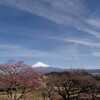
44	68
40	64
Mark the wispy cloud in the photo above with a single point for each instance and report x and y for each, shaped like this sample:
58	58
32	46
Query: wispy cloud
96	54
79	41
85	42
90	26
92	32
59	11
8	50
94	22
62	53
67	12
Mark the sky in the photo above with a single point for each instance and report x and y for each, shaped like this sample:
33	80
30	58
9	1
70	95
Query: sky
60	33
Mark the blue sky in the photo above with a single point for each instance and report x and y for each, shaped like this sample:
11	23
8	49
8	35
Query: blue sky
61	33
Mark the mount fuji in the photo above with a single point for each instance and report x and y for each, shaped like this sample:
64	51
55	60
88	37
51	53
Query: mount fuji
44	68
40	64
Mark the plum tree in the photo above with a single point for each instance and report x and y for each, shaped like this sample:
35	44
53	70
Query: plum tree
18	79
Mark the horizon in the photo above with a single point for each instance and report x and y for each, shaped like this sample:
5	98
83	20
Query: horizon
63	67
62	33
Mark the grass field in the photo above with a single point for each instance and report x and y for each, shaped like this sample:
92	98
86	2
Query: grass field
35	96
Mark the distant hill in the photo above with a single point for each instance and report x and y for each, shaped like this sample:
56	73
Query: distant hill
50	69
93	71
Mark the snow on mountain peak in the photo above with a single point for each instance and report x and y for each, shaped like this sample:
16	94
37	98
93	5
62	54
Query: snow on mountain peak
40	64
